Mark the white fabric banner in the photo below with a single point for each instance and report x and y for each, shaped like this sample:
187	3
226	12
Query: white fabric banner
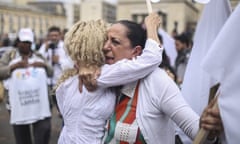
197	83
28	94
169	46
222	63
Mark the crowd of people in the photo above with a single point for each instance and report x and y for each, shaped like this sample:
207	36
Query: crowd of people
105	82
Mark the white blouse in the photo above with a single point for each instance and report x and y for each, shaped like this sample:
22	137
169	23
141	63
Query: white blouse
85	114
159	103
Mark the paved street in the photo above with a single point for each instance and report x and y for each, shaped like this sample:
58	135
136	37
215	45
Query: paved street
6	132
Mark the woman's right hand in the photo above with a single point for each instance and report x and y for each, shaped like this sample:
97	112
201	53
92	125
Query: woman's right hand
88	77
152	23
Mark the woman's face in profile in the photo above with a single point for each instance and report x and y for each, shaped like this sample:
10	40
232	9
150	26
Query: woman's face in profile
117	46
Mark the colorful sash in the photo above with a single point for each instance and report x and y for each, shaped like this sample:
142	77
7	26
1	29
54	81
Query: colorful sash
125	112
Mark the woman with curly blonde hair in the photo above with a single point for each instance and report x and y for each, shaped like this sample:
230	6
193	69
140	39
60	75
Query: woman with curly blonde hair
85	113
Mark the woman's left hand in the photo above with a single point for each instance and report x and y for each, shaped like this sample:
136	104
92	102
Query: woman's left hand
88	77
211	120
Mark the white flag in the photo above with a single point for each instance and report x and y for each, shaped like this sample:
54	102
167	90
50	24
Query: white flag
169	46
222	63
197	83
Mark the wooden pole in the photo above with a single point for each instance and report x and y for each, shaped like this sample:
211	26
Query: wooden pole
202	133
149	6
201	136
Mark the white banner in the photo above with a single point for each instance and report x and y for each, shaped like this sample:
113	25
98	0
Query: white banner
28	95
222	63
169	46
197	83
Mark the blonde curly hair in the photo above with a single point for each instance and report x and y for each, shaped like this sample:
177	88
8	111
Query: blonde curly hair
83	43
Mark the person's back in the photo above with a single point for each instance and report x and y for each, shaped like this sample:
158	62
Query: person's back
85	113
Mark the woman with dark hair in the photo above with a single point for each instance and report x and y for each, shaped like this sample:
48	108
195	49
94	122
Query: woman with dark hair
145	109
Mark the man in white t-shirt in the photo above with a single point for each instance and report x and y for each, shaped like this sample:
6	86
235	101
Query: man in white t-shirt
29	104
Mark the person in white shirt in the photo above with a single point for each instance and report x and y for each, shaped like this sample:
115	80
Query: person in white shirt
159	102
53	50
25	78
85	114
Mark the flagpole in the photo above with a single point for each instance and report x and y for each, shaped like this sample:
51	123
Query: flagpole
202	133
149	6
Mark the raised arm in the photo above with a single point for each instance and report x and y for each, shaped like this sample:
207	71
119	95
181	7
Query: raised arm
125	71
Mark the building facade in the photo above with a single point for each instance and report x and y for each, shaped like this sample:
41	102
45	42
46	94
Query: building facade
98	9
176	14
180	15
69	9
13	17
234	3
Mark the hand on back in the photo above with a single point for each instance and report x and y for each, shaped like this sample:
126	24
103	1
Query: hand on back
88	77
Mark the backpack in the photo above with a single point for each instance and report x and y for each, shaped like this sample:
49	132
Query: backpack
12	55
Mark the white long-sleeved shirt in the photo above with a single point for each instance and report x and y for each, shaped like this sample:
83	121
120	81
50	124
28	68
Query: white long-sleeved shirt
85	114
160	102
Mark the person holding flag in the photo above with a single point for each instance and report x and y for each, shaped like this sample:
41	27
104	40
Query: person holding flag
146	108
